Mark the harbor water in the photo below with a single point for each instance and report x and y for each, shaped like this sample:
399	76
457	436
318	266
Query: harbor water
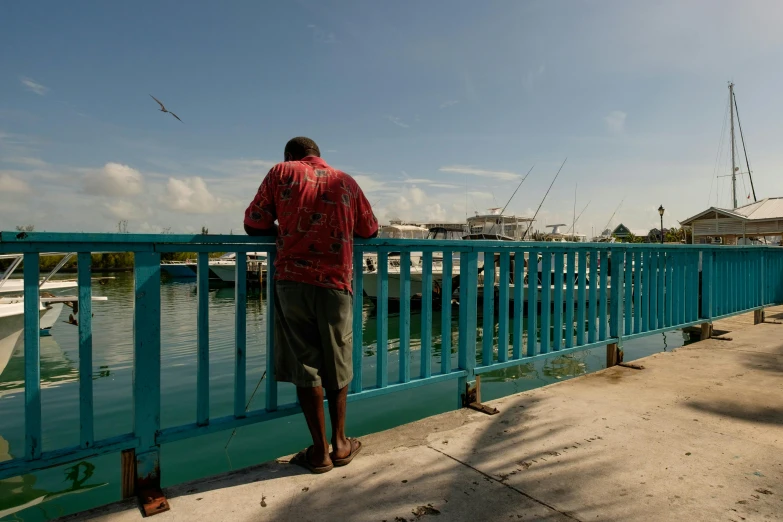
71	488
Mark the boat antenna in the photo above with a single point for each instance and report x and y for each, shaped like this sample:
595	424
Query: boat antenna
733	148
744	150
573	227
613	213
544	198
573	224
515	191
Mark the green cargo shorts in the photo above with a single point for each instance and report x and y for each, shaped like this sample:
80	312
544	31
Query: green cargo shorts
313	335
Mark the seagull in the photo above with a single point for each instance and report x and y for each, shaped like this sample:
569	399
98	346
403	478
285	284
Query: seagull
163	108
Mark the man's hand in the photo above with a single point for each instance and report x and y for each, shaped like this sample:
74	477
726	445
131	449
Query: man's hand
250	231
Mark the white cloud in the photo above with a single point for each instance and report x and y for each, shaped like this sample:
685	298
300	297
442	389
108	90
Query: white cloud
422	181
474	171
123	209
191	196
34	86
28	162
411	204
615	122
114	179
369	184
10	184
448	103
244	166
398	122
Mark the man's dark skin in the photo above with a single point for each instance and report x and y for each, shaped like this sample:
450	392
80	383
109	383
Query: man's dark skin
311	399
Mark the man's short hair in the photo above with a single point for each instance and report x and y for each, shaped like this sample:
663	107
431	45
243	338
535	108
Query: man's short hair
301	147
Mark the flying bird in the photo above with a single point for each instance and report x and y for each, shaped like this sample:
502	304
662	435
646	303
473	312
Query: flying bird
163	108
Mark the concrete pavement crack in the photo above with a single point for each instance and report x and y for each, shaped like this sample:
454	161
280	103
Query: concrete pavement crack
509	486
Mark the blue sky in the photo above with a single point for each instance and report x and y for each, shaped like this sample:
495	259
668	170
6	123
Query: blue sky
416	99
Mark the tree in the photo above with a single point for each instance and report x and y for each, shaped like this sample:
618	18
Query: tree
122	226
25	228
633	238
204	231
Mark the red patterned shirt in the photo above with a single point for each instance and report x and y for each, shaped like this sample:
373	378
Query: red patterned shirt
319	210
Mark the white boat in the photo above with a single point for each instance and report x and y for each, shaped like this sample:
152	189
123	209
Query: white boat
224	267
12	308
16	286
497	226
7	345
491	226
12	319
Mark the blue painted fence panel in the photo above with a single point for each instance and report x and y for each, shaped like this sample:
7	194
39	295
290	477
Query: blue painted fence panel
646	288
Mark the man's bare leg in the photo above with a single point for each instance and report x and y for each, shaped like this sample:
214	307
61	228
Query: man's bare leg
341	446
312	402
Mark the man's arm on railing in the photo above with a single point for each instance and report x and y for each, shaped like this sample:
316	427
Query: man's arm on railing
251	231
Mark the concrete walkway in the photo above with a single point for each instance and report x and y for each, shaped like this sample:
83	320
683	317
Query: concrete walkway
695	435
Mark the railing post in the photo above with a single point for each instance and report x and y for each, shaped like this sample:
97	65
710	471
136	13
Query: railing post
271	379
32	358
240	334
146	380
202	339
617	261
86	432
707	293
358	292
468	286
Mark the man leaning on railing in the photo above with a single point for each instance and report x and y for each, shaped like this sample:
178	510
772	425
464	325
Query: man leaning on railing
319	210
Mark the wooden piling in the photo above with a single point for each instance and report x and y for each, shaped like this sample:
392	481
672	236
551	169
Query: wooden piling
128	473
706	331
758	316
612	355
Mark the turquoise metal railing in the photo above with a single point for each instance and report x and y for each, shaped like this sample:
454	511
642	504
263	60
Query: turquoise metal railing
589	295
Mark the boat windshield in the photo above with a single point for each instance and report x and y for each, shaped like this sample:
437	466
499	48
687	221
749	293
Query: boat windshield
403	232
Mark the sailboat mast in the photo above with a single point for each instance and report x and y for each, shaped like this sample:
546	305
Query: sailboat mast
733	148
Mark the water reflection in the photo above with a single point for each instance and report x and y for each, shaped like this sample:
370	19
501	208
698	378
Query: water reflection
56	366
20	493
566	366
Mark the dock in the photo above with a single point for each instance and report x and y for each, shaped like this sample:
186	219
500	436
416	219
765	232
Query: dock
696	434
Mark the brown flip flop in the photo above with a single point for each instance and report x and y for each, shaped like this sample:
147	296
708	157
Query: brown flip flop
300	459
347	460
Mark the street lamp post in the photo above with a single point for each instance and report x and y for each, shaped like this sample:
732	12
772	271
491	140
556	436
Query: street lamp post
661	210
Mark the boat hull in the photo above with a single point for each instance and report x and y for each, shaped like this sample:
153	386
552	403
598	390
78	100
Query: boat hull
179	270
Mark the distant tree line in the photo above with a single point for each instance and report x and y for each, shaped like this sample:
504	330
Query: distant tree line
107	262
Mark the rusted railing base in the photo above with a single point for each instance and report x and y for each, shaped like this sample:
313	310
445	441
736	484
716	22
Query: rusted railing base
151	497
472	399
153	501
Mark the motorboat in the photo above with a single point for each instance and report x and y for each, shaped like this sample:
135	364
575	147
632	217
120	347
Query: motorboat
224	267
